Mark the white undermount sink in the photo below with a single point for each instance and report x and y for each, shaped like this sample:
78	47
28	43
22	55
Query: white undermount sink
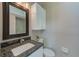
18	50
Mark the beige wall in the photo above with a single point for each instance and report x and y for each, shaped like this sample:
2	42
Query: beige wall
62	23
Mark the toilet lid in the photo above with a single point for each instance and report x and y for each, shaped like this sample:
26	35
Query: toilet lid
48	52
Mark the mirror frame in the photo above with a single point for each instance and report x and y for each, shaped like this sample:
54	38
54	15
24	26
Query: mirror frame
6	34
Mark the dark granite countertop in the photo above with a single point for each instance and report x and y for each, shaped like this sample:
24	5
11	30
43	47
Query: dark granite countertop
6	51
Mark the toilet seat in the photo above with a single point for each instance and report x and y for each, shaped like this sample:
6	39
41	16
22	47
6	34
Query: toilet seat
48	52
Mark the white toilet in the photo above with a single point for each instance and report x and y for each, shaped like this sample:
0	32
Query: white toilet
47	51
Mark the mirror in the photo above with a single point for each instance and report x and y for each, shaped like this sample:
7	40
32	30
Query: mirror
17	20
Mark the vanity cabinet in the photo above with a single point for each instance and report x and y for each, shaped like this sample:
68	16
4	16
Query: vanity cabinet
38	17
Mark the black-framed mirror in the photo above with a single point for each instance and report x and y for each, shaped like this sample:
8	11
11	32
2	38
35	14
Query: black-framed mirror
15	20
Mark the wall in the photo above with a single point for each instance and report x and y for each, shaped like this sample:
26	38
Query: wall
62	27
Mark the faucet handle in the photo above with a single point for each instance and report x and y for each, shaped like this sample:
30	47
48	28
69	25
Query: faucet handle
21	41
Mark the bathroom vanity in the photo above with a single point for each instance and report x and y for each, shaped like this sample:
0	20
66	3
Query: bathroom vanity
28	48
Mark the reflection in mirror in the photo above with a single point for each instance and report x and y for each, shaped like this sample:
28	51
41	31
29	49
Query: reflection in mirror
17	20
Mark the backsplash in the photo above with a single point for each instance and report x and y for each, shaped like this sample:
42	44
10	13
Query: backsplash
5	44
37	33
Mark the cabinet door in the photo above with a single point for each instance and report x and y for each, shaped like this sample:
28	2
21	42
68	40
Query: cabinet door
37	53
43	19
38	17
